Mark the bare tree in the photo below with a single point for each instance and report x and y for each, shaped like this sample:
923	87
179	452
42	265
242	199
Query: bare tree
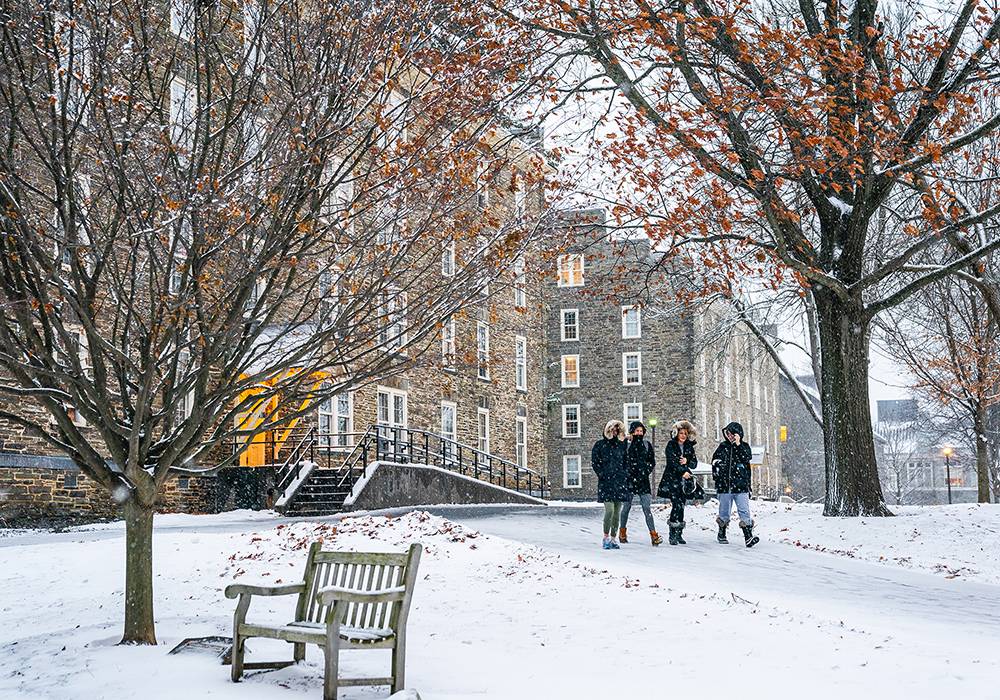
949	340
231	210
800	143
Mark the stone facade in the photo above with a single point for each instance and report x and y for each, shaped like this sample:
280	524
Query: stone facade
664	364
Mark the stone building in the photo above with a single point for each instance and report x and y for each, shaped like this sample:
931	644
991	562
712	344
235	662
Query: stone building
802	451
619	348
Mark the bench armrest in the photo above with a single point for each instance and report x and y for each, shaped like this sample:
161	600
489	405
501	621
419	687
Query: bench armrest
237	589
331	594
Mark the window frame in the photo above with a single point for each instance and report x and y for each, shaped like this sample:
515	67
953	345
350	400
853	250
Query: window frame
579	472
562	325
638	369
576	407
638	322
483	351
563	361
520	363
568	272
625	416
483	430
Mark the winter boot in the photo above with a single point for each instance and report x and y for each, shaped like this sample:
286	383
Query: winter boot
675	533
722	530
680	533
606	544
622	535
751	539
614	545
656	539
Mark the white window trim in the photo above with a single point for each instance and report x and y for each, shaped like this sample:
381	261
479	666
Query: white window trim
391	392
638	313
483	440
453	436
482	350
336	438
520	363
579	472
562	368
562	325
578	427
520	447
448	259
182	125
566	264
520	282
625	408
625	356
449	344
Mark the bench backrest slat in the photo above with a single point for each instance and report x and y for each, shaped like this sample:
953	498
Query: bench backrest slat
360	571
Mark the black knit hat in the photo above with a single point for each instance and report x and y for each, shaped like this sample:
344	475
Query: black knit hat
734	427
636	424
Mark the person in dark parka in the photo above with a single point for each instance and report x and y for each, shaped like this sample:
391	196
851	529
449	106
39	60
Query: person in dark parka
731	471
640	460
681	460
608	461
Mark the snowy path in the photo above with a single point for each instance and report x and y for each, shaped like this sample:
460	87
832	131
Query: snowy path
870	596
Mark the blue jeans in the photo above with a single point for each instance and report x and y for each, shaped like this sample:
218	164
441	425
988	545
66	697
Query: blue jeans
646	501
742	501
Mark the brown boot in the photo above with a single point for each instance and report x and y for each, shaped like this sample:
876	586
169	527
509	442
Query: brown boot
657	540
622	536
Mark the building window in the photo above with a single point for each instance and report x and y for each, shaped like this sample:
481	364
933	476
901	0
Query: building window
448	259
571	420
715	374
520	196
482	350
448	349
182	18
570	371
182	113
569	324
335	421
391	409
521	441
339	191
571	472
484	430
632	412
703	369
727	378
393	313
449	421
631	368
631	322
394	117
521	363
183	483
718	428
483	260
482	184
520	280
571	270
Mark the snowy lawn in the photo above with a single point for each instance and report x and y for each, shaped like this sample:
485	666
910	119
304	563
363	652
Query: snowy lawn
558	618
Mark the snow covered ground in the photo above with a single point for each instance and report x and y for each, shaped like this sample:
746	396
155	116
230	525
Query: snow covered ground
520	602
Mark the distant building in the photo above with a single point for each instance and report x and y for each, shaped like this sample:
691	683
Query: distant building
617	349
802	454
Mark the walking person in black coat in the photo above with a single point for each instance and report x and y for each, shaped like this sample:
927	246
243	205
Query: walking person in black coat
640	460
731	471
608	460
681	460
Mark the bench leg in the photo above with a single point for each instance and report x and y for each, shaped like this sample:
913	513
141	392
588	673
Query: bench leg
299	653
238	648
330	671
398	664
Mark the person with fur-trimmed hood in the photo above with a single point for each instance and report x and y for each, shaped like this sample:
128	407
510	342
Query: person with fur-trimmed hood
608	461
731	471
640	460
681	461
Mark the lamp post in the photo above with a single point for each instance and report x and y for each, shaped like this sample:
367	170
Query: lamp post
652	426
947	468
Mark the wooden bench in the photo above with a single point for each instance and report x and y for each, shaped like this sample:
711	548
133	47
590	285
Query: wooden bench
346	600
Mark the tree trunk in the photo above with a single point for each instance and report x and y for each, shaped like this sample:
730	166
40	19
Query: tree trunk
982	454
852	481
139	627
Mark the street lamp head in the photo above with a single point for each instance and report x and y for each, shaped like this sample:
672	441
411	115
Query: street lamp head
947	451
652	422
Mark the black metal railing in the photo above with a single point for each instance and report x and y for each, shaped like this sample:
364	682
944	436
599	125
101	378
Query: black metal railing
349	454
